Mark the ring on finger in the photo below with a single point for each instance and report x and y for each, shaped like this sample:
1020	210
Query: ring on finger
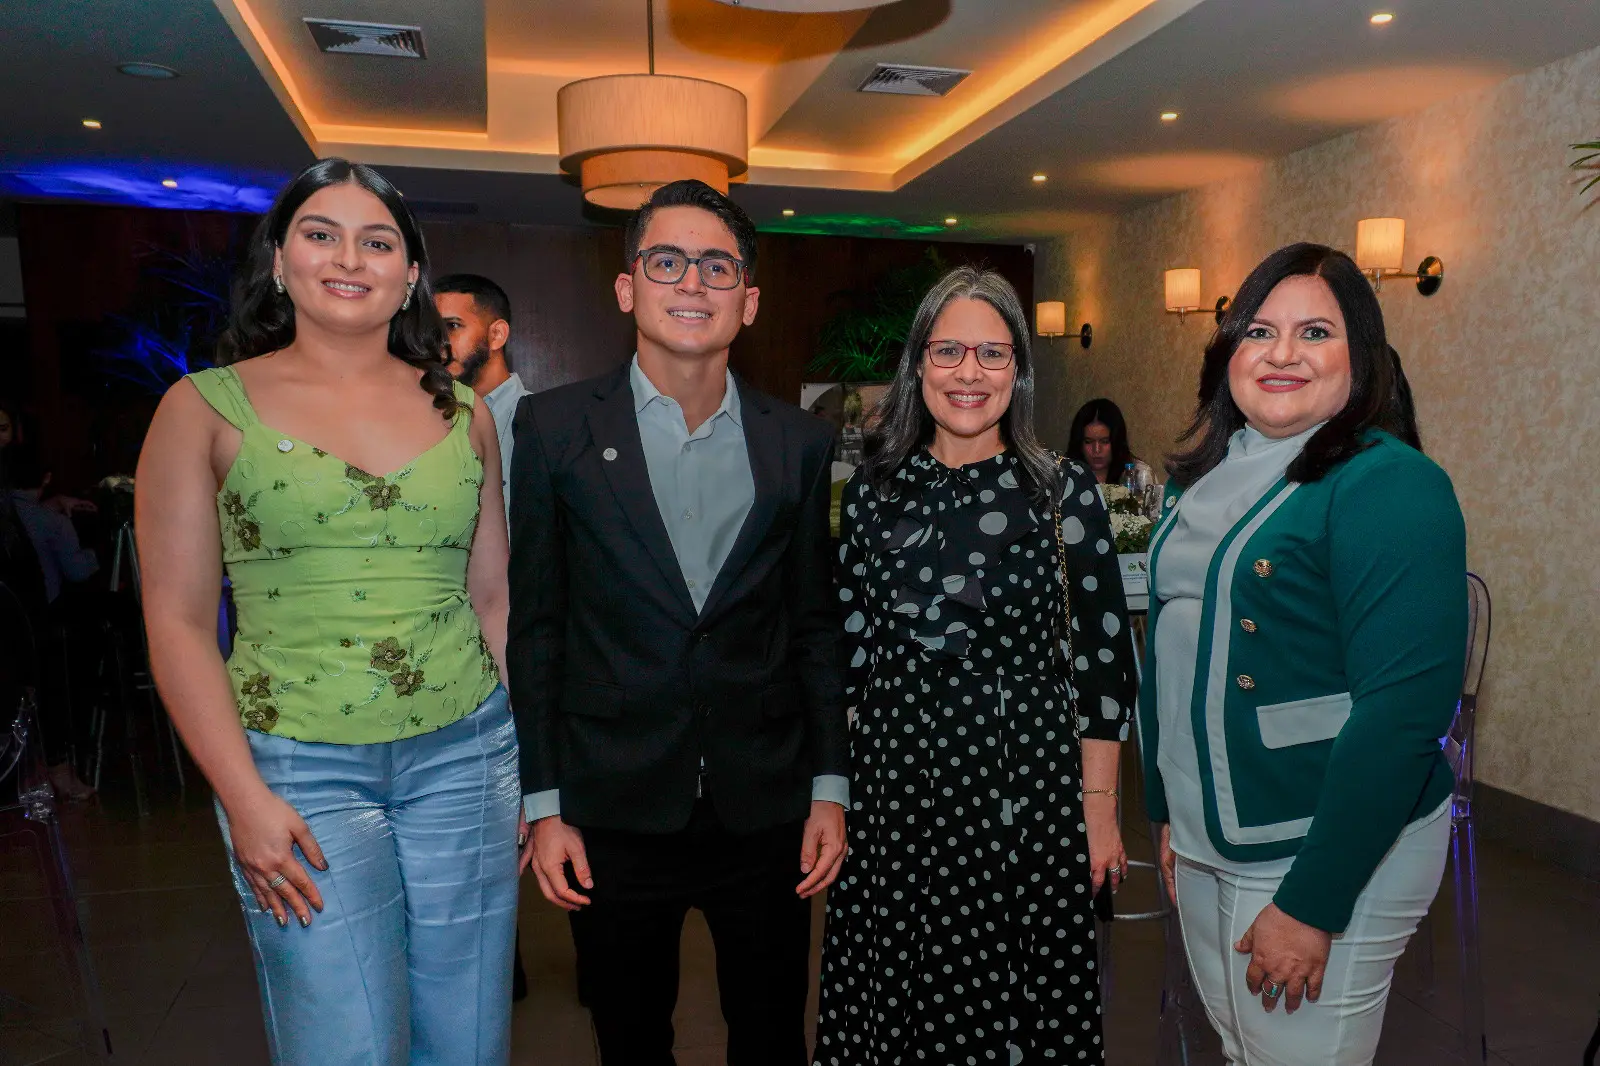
1271	989
276	881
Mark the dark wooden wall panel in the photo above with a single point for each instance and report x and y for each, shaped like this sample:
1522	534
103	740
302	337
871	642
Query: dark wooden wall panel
82	264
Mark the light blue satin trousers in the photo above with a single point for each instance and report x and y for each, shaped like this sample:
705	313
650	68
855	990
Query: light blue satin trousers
409	962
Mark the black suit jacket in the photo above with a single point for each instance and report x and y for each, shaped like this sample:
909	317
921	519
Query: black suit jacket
619	687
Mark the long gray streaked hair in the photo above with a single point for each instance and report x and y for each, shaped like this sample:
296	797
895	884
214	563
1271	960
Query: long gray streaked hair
902	424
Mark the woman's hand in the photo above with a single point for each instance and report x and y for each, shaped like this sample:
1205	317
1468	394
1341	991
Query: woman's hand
1107	857
1287	958
1169	863
265	831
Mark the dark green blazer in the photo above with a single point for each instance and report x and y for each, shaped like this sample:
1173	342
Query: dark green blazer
1332	646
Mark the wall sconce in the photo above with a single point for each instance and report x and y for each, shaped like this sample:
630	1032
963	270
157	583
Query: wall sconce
1380	251
1050	320
1183	294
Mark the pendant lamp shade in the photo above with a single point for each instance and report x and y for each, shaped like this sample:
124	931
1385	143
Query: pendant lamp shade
626	135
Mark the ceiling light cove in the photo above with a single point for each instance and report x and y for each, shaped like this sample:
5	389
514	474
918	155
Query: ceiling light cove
1382	18
808	7
500	96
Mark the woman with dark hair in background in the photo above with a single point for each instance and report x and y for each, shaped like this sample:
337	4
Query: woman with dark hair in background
1305	653
358	740
1099	439
960	930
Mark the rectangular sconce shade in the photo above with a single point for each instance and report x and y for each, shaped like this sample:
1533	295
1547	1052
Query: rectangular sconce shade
1050	319
1183	289
1380	243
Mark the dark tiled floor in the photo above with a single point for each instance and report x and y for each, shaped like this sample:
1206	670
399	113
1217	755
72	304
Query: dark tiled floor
168	941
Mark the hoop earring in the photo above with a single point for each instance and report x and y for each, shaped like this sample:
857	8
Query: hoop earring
407	301
277	283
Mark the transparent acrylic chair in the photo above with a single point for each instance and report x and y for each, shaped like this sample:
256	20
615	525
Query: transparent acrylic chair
1459	748
28	823
1181	1039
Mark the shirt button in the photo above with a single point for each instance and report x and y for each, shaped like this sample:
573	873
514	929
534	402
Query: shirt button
1171	500
688	516
1247	625
285	445
686	446
1247	682
1263	568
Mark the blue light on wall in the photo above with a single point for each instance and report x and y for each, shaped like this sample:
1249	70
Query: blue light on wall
138	185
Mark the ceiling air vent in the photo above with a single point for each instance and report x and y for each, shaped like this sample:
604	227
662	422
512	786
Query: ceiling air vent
367	38
902	80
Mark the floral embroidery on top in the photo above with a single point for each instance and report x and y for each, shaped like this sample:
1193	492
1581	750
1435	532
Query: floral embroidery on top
246	530
257	709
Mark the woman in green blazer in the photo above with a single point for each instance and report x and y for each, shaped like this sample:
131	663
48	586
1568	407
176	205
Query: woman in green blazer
1306	645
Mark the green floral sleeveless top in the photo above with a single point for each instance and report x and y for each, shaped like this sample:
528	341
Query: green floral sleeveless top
350	587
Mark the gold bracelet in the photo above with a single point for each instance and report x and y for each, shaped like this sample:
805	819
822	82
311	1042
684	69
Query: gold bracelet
1099	792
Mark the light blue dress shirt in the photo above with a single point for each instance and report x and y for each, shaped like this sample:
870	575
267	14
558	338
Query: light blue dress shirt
704	490
502	404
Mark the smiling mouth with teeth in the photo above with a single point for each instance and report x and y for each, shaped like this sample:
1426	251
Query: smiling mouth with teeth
346	286
690	314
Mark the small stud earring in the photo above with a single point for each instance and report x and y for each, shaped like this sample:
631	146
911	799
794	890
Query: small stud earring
277	283
407	301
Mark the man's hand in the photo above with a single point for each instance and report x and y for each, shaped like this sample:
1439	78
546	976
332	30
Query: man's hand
822	848
553	844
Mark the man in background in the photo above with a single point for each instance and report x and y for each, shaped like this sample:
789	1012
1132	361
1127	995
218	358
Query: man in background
477	321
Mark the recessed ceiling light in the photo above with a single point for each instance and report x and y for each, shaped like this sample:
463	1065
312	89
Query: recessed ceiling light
1169	116
1382	18
1038	179
142	69
91	123
788	212
171	183
950	221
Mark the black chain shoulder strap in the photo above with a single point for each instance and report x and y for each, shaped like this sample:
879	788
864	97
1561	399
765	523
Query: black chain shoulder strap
1066	595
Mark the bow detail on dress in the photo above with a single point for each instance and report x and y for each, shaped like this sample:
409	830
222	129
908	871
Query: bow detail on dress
943	529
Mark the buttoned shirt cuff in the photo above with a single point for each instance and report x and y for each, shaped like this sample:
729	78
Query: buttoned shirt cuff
831	788
546	804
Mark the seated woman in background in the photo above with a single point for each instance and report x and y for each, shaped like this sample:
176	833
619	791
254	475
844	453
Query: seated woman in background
358	740
1099	440
1306	645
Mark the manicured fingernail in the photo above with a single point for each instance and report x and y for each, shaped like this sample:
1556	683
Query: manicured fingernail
283	923
305	921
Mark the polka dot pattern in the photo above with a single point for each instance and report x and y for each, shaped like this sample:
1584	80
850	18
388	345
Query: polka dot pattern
960	930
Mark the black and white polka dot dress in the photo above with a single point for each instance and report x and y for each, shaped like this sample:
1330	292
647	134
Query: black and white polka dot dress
961	929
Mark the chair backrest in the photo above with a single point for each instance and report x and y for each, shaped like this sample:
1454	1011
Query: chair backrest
1459	742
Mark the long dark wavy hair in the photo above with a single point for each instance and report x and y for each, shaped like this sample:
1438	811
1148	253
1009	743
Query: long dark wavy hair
261	319
1109	415
1380	396
902	423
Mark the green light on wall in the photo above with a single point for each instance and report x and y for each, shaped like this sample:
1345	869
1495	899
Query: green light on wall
852	226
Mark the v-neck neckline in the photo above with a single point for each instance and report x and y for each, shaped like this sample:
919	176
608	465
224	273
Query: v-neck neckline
244	394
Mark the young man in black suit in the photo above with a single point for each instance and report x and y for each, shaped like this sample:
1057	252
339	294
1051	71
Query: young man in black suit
673	652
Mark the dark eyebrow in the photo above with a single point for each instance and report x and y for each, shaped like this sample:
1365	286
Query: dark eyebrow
326	221
721	252
1301	325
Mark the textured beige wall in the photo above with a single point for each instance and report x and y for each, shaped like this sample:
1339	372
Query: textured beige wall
1505	362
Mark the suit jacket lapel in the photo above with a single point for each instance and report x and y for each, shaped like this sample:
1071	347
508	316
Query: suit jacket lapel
614	424
763	441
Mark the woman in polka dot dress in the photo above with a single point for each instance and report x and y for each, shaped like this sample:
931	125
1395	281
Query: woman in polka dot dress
961	929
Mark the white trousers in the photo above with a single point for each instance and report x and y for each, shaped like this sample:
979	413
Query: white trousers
1342	1028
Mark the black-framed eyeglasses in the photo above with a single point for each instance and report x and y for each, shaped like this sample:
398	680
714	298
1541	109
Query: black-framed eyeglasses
947	355
667	266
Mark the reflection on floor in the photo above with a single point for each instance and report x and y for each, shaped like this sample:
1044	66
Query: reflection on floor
169	943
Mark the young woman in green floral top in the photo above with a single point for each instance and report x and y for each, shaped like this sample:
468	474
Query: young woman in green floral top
358	740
